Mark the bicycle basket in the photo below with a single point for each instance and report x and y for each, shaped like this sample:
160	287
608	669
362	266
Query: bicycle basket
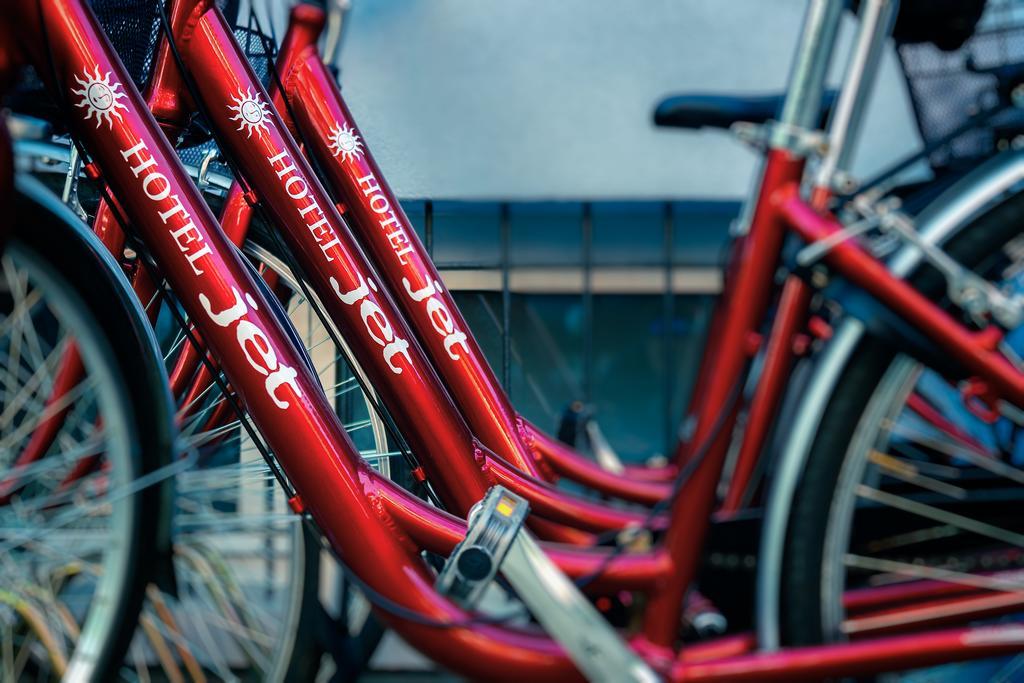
133	27
950	86
253	44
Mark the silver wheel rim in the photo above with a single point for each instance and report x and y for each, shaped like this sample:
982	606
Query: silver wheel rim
886	425
119	504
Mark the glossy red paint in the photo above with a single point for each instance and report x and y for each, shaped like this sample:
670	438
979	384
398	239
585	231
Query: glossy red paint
276	171
630	484
653	472
375	212
555	505
747	301
860	658
327	126
189	380
790	319
929	413
862	601
720	648
236	321
949	611
438	532
321	113
740	314
357	511
354	295
104	224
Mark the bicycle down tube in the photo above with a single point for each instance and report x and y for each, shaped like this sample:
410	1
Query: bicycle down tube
783	171
640	567
333	137
352	293
384	229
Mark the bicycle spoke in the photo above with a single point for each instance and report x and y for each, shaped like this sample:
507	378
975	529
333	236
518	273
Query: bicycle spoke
908	472
918	571
972	456
910	538
940	515
1011	671
65	518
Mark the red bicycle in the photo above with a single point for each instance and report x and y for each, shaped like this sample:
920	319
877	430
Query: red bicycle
378	529
329	133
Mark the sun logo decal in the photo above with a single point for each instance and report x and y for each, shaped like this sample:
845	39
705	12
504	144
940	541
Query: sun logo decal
250	112
100	97
344	142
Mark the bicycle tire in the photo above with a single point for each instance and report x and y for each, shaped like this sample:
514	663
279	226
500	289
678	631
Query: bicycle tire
869	379
96	304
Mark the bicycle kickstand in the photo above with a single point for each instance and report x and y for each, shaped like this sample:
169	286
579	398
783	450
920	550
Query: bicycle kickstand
496	540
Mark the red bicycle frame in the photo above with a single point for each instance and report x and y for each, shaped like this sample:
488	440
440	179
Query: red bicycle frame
326	125
320	113
131	154
350	289
384	230
377	528
388	235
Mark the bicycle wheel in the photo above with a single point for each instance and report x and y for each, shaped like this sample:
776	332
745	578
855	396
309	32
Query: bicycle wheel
247	578
75	543
905	516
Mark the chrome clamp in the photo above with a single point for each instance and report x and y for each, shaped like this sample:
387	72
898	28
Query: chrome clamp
493	525
496	539
801	142
974	294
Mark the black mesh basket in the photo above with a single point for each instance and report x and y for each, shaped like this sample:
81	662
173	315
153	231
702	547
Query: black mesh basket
133	27
254	46
969	81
